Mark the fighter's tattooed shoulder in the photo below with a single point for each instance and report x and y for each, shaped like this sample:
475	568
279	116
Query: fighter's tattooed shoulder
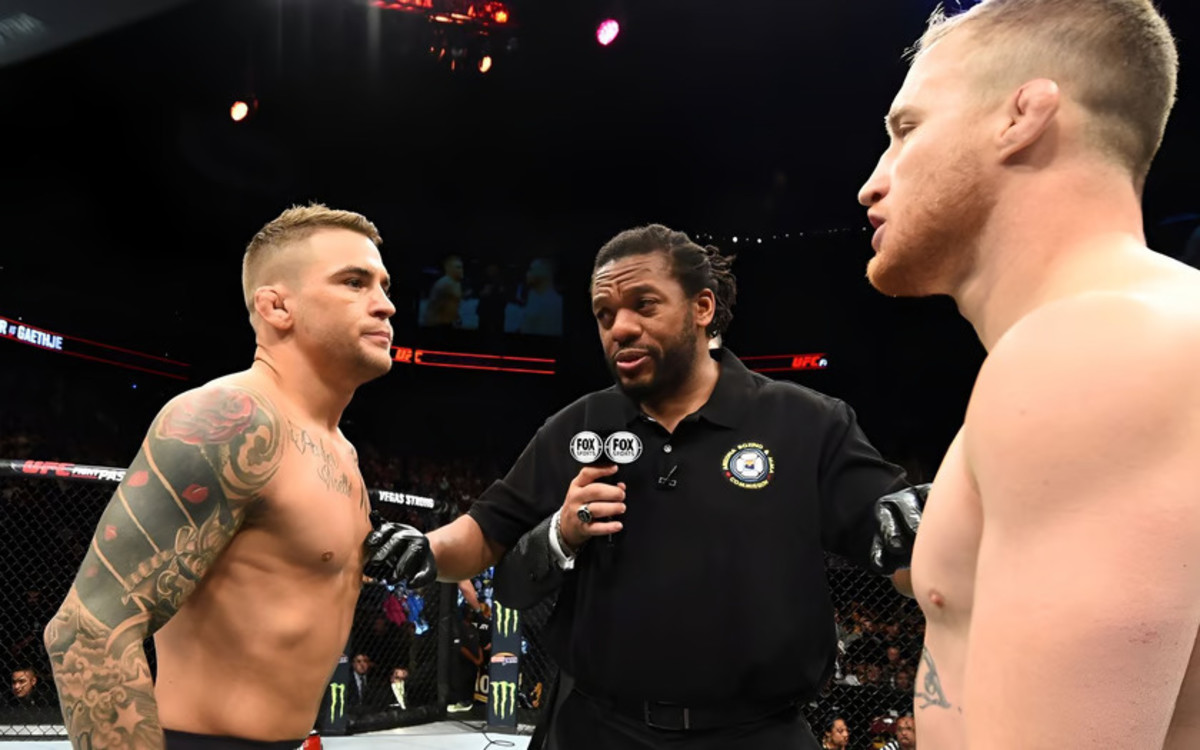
239	431
206	459
209	455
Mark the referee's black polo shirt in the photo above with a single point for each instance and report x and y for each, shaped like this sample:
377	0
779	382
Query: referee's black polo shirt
715	589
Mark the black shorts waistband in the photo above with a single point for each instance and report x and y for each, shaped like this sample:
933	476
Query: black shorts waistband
680	717
175	740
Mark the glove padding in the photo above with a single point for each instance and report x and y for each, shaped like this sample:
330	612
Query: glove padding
397	552
897	517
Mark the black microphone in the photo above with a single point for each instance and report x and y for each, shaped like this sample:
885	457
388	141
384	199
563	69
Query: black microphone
603	417
604	461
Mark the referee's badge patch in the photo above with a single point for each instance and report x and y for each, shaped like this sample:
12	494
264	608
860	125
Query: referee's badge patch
750	466
586	447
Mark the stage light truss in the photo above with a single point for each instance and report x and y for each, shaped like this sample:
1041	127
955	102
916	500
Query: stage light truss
467	35
481	14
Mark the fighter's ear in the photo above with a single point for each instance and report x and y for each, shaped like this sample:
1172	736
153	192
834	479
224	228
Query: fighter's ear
273	306
1029	117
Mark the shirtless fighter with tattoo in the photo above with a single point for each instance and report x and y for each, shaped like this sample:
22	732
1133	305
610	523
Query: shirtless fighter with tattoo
1058	563
240	533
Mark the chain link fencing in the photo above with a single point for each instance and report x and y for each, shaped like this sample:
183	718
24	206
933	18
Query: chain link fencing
426	652
880	636
48	514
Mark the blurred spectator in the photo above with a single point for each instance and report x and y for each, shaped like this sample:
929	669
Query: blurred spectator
542	313
441	309
872	675
469	656
367	690
376	633
895	664
899	698
906	735
835	735
30	697
867	648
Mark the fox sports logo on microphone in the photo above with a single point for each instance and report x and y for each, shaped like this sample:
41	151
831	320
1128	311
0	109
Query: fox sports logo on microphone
623	447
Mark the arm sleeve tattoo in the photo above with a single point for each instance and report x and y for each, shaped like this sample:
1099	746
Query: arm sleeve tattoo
204	462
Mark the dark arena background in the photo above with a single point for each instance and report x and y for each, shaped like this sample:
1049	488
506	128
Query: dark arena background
145	141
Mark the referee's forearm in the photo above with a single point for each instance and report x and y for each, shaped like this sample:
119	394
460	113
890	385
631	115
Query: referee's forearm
462	551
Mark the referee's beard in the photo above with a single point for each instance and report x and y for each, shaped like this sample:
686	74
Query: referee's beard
672	362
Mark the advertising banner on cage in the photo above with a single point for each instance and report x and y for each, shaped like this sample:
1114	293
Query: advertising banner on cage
60	470
332	717
504	671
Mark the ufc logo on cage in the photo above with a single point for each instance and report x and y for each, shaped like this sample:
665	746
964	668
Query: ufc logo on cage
620	447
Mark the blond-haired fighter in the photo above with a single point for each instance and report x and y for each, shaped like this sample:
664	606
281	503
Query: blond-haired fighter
1058	563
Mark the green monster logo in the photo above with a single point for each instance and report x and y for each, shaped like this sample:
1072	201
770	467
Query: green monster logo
506	619
504	699
337	700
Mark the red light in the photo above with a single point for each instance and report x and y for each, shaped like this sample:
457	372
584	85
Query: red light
238	111
787	362
471	361
485	64
404	5
501	16
607	31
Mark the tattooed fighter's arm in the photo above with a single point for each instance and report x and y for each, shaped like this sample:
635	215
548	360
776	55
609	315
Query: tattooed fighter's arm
205	460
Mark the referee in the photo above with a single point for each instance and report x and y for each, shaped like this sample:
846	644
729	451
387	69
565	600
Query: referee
692	487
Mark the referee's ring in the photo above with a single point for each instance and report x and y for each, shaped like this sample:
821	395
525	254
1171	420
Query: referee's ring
584	514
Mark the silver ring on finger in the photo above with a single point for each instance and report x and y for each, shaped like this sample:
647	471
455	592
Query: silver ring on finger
584	514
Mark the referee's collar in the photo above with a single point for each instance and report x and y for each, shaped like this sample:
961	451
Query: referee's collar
725	407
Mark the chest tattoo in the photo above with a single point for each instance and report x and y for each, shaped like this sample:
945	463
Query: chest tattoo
328	467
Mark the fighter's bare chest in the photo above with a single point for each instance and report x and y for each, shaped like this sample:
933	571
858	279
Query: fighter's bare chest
318	507
947	547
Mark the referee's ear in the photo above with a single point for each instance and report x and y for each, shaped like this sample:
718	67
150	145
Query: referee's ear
704	308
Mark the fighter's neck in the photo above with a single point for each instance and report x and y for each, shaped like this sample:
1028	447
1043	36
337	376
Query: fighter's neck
1035	249
314	395
689	397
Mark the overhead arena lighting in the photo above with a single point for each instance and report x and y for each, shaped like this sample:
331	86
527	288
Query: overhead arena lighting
483	15
240	110
467	33
607	31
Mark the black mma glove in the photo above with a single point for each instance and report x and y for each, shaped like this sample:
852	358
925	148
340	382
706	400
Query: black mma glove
897	517
396	552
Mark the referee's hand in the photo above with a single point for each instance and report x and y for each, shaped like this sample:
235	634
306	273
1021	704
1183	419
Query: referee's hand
603	502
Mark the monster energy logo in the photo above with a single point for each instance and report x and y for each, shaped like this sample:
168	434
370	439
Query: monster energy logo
506	619
337	700
504	699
